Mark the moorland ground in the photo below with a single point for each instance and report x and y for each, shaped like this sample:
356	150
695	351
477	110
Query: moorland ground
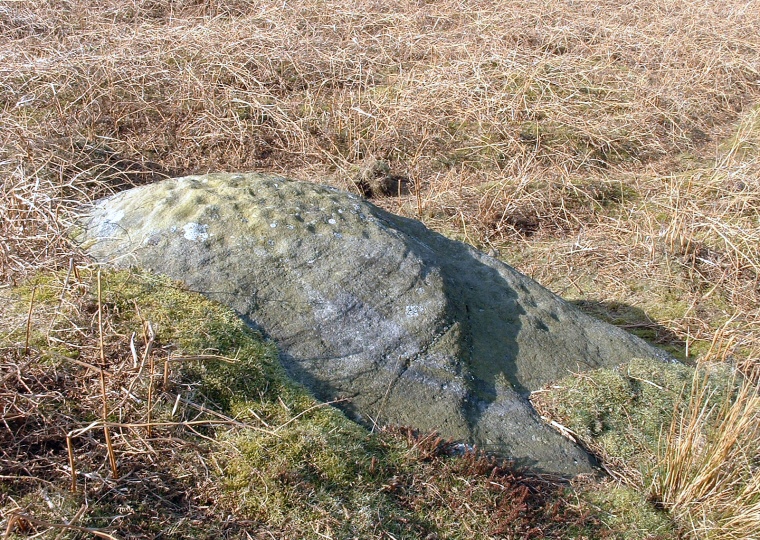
610	150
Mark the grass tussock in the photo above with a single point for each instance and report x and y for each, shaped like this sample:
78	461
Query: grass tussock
707	473
702	469
611	150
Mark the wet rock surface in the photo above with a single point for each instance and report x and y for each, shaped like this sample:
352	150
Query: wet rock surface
410	327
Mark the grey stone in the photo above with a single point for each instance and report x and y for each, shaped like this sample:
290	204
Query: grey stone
411	327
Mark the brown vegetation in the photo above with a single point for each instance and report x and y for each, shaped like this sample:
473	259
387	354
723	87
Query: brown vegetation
609	149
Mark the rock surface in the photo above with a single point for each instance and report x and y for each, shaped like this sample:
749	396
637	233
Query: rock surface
411	327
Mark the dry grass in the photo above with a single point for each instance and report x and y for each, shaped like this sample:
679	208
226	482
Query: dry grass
609	149
708	476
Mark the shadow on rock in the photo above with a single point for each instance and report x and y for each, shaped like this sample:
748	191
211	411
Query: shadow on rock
636	321
410	327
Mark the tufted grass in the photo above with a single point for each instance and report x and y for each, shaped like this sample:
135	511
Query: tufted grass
684	438
610	150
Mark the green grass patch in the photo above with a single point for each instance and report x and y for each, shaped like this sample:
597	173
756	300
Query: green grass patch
623	414
204	422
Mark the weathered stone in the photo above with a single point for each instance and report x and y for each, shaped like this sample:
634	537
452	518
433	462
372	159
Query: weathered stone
413	328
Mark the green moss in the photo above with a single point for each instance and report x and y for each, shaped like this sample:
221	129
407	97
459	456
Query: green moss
290	464
622	414
330	461
629	513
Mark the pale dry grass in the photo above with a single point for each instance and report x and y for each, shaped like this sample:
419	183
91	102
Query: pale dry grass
708	477
609	149
456	96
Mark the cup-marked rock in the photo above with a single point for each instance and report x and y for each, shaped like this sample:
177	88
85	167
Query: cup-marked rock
410	327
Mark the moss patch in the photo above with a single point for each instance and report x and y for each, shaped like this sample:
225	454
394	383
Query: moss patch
629	512
623	414
230	435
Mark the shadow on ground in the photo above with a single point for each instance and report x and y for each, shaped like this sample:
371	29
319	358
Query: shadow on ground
637	322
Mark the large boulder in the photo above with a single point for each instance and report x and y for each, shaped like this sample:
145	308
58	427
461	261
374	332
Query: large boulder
409	327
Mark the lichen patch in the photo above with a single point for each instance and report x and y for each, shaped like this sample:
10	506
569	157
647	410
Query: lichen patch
195	232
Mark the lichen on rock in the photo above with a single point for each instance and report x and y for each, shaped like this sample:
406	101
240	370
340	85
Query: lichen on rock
407	326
